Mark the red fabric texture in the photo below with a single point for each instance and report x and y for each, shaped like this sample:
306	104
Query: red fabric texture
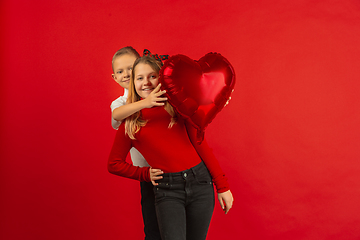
168	149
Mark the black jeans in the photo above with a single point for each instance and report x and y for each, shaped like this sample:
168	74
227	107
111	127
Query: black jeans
151	228
184	204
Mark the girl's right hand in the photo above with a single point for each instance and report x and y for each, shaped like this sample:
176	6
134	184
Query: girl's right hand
154	98
155	174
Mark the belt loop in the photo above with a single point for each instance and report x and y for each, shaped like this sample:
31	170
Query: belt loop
194	171
170	178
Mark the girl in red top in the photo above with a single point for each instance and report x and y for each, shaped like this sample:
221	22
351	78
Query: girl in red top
184	195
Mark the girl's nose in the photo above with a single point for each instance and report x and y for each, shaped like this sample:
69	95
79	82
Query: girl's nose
147	82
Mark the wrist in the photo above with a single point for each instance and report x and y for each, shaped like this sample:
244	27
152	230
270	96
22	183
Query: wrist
143	103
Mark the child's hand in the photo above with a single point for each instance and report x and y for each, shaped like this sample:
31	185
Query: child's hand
154	98
155	175
226	200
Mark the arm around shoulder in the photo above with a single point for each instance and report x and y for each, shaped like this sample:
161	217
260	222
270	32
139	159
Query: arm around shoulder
154	99
124	111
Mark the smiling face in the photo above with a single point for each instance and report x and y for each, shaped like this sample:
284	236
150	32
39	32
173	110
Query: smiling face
145	79
122	69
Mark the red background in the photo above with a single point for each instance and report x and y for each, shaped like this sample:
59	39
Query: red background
288	141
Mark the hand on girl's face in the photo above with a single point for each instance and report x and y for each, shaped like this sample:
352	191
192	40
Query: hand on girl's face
146	79
154	98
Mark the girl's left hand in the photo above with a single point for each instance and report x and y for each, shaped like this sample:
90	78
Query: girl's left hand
226	200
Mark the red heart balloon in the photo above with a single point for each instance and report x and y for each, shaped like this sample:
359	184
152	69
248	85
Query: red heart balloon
198	90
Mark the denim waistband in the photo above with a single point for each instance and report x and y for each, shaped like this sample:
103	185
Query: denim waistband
183	175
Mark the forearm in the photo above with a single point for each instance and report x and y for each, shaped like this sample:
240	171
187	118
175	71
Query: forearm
207	156
127	110
212	164
154	99
124	169
117	159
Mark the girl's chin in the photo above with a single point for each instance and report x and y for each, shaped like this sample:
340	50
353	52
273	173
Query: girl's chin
144	94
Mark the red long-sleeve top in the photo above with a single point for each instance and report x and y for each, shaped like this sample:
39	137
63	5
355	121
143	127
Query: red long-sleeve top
168	149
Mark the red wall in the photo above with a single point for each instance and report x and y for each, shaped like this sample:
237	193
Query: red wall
288	140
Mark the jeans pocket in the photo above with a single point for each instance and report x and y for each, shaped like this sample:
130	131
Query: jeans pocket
203	177
163	185
167	193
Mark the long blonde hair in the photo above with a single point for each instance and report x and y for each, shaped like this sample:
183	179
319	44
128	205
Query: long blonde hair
134	122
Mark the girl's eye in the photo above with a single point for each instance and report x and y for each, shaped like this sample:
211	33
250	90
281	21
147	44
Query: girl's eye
139	78
119	72
153	76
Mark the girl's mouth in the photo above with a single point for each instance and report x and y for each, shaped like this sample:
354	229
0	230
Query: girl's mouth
147	89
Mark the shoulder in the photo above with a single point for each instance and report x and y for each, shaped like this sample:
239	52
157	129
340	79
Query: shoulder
121	133
120	101
155	113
